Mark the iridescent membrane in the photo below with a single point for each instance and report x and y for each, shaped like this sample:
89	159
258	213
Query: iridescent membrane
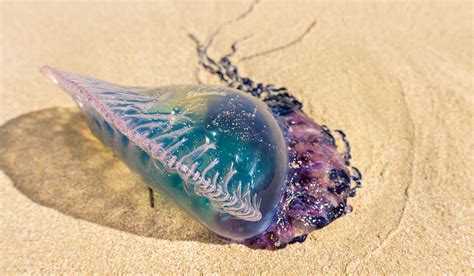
217	152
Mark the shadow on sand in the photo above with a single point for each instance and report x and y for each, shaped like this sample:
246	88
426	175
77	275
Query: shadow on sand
53	158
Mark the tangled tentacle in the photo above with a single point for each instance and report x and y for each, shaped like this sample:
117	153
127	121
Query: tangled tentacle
278	99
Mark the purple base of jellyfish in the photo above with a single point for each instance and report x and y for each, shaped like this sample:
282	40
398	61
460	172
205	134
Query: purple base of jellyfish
319	179
318	184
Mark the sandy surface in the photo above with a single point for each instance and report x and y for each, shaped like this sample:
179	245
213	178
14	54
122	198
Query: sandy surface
396	77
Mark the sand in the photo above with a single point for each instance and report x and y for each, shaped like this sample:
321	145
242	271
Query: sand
396	77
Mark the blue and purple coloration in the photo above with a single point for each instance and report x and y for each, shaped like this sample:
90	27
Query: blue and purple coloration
259	173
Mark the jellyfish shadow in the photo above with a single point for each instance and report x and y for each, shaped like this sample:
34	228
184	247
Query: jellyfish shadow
53	158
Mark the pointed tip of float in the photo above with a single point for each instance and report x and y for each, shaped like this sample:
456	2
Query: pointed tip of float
62	79
50	73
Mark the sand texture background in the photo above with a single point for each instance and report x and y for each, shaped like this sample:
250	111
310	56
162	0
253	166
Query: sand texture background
395	76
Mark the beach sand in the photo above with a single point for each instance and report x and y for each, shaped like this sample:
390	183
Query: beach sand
396	77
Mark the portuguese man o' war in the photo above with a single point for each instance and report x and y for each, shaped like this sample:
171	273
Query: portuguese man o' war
244	160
